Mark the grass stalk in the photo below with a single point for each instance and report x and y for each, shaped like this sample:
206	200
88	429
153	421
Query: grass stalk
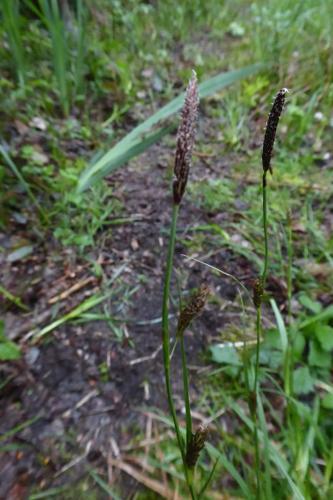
186	392
259	287
255	403
165	325
265	229
185	142
166	345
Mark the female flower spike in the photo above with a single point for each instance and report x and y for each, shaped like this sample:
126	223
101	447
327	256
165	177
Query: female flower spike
272	123
196	444
185	139
192	309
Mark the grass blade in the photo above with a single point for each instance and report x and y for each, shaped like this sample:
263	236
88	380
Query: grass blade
51	16
125	154
209	478
74	313
12	24
52	492
275	455
23	182
104	486
19	428
230	468
117	155
281	326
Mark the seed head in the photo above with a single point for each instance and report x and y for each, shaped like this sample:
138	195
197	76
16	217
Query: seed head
185	139
272	123
192	309
195	445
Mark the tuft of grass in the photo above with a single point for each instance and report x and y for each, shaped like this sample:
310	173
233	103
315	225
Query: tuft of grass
12	23
68	47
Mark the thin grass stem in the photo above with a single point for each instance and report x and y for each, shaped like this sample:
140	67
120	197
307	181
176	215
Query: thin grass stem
165	325
166	344
264	213
255	402
186	391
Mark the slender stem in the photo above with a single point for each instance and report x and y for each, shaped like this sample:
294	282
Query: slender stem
256	391
165	324
290	263
258	331
186	391
166	343
264	212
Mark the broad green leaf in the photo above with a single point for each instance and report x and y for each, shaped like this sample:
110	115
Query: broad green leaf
272	339
9	351
327	402
270	357
312	305
318	357
302	380
299	345
137	141
323	316
225	354
324	333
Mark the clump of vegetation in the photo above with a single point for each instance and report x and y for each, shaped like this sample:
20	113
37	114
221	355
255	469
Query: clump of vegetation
193	443
86	90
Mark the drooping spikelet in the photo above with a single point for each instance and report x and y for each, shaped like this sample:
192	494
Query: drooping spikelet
185	139
192	309
272	123
195	445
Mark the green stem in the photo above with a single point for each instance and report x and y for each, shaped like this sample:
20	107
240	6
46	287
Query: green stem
258	331
186	391
290	262
264	212
165	324
254	413
166	343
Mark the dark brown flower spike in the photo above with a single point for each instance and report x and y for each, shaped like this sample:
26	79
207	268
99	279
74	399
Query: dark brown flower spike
272	123
185	139
196	444
192	309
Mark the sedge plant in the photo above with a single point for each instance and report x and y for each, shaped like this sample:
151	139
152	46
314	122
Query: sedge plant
194	442
259	285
